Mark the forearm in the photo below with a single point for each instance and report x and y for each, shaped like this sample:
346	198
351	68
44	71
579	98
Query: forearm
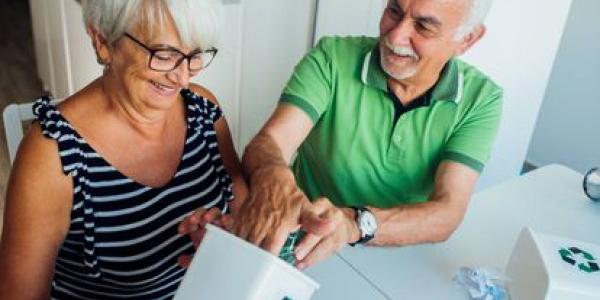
16	283
262	152
429	222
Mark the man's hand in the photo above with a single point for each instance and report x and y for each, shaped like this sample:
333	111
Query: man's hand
194	225
272	209
328	229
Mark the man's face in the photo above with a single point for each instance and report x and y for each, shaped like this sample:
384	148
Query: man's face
417	37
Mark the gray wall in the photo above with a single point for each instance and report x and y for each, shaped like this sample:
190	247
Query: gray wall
568	127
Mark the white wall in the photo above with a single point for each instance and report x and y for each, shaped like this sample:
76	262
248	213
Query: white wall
567	130
517	52
277	33
348	17
222	77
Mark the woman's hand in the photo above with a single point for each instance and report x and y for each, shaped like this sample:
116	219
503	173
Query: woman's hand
194	225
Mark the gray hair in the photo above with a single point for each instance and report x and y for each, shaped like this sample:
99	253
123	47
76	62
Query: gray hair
194	20
478	10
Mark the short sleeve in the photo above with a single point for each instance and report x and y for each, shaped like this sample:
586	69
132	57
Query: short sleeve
310	87
472	141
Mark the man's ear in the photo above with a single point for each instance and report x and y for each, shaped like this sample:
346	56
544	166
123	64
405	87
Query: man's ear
101	46
471	39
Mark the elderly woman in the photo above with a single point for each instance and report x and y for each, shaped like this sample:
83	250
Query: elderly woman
102	182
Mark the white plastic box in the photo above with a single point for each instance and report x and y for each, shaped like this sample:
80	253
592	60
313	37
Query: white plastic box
226	267
553	268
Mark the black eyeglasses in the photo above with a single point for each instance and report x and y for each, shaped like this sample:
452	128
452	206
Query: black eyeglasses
168	58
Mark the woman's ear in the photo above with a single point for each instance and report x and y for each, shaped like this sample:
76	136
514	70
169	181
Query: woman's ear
101	46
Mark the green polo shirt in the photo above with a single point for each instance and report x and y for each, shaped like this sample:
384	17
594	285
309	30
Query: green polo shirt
357	154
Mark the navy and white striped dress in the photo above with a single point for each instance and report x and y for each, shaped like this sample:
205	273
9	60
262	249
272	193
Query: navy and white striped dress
123	240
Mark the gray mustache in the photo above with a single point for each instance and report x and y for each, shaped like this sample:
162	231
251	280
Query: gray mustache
402	51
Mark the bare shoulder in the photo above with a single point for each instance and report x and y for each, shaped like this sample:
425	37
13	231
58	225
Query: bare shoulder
204	92
38	191
36	217
38	160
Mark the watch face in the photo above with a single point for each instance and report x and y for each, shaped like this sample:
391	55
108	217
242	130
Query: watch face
368	223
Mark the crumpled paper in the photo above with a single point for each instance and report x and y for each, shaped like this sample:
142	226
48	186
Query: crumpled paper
483	283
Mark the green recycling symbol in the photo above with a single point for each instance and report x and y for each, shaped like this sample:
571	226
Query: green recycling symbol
569	255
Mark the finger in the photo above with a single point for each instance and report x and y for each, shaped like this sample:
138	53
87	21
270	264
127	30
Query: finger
191	222
308	242
209	216
187	226
257	236
322	218
197	236
184	261
227	222
274	242
319	253
241	232
259	232
243	222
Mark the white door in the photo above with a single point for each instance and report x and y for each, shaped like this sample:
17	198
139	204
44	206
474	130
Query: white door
43	56
65	59
82	59
59	45
518	52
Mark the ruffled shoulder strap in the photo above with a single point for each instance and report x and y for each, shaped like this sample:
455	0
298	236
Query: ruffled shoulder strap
200	108
74	153
52	123
56	127
202	114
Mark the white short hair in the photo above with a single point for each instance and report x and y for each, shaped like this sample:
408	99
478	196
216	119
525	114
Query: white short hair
478	10
194	20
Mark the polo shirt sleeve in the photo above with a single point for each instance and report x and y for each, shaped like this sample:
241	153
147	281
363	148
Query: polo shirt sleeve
472	140
310	87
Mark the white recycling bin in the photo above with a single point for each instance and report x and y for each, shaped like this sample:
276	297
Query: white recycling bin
226	267
547	267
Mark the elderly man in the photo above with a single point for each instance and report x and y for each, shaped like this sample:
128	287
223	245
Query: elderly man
390	133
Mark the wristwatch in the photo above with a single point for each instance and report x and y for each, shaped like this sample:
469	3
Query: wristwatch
367	224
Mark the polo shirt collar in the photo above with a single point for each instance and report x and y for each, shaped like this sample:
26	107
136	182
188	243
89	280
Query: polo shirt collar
448	88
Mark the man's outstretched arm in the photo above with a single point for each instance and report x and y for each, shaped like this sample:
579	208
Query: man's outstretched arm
274	203
407	224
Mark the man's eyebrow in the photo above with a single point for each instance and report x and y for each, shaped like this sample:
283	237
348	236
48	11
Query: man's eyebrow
429	20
